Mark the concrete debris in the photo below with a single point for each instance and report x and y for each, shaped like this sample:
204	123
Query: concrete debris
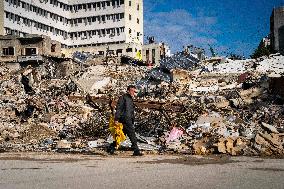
185	105
270	127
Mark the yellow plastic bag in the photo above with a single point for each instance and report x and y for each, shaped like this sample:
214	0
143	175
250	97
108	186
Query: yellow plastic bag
116	131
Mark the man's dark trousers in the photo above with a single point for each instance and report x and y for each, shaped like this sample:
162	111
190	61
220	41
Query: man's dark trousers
129	130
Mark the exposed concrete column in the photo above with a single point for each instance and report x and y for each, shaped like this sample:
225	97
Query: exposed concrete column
1	17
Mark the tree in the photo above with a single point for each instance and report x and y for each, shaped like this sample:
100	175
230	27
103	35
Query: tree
262	50
234	56
213	53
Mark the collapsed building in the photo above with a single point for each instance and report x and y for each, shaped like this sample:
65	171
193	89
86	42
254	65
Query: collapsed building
52	102
183	105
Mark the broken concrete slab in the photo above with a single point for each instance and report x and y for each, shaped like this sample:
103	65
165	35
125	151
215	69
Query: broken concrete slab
270	127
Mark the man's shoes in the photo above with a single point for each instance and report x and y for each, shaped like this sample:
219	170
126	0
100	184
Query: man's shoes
137	153
111	149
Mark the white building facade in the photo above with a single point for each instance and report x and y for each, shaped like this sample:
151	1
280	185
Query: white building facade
77	24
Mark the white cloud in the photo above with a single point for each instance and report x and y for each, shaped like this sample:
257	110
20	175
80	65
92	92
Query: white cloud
179	28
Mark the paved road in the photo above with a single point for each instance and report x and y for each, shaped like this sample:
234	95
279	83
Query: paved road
40	171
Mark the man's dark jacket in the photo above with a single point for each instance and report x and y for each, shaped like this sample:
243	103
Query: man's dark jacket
125	109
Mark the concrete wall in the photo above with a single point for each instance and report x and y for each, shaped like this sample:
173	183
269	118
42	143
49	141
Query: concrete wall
5	43
276	22
112	47
135	11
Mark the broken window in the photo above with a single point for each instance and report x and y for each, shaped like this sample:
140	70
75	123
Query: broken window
53	47
103	5
103	18
8	51
147	55
129	50
153	55
113	2
30	51
118	51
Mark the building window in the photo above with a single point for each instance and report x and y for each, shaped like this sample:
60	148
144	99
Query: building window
130	17
118	51
130	31
153	56
53	47
103	18
138	7
138	21
8	51
130	3
129	50
103	5
30	51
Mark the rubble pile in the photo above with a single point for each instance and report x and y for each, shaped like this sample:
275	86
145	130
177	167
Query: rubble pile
182	106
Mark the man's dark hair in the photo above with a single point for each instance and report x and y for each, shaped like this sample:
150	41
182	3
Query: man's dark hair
131	87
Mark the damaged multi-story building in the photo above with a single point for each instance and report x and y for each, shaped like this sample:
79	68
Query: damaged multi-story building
277	29
30	48
95	26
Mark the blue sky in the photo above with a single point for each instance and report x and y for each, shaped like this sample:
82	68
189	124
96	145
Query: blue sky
235	26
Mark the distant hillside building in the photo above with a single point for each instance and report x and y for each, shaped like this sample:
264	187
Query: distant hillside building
86	25
266	41
277	29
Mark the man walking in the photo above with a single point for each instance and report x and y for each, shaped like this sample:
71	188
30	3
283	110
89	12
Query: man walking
125	115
